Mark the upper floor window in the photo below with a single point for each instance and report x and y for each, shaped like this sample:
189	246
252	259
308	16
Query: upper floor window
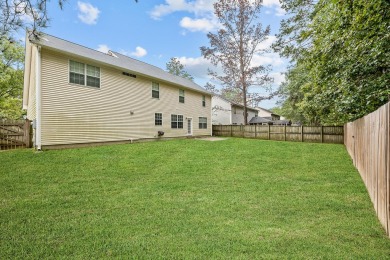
84	74
181	96
204	101
155	90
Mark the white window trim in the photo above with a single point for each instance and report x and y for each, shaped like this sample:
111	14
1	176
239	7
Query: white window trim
85	75
178	121
162	122
155	90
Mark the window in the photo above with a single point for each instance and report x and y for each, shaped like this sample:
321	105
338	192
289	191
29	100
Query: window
181	96
176	121
204	101
202	122
157	119
155	90
235	110
93	76
78	71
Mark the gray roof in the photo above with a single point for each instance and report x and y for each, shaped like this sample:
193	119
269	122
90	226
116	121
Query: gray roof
282	122
259	120
117	60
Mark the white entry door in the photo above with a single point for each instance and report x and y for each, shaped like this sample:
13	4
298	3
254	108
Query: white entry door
189	126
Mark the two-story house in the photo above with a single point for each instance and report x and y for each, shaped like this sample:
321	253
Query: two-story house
77	95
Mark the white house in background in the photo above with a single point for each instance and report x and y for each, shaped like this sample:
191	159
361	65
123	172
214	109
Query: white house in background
225	112
76	95
267	114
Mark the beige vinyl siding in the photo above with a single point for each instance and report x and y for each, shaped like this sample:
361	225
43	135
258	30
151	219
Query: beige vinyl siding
121	109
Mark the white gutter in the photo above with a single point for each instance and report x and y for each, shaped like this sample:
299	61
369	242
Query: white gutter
38	128
231	113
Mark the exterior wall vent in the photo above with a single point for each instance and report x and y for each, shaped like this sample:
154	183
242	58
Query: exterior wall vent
129	75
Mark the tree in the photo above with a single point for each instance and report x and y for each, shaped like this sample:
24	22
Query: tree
11	79
234	46
341	58
24	14
211	88
176	68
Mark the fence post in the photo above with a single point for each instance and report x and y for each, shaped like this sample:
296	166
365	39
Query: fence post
301	133
255	131
231	130
322	134
26	130
284	132
269	132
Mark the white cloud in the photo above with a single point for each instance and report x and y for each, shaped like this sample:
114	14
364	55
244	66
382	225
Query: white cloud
139	52
275	6
197	67
202	7
88	14
103	48
267	59
270	3
267	43
199	25
278	77
197	7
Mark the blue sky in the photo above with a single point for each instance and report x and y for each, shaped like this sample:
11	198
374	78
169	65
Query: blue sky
155	31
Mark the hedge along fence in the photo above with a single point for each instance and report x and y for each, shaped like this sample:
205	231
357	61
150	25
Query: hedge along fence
317	134
368	143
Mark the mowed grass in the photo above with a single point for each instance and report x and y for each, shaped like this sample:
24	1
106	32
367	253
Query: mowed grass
187	199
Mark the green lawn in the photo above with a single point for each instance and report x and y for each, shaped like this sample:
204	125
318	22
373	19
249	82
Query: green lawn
238	198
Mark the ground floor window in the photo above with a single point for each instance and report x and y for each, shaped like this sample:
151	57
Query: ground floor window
158	119
176	121
202	122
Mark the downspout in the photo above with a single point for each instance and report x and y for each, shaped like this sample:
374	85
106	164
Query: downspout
211	115
38	129
231	113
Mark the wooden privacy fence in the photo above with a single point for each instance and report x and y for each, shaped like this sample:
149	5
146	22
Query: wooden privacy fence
15	134
317	134
368	143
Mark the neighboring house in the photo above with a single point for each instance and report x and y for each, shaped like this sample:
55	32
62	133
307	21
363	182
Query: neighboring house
77	95
267	114
225	112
